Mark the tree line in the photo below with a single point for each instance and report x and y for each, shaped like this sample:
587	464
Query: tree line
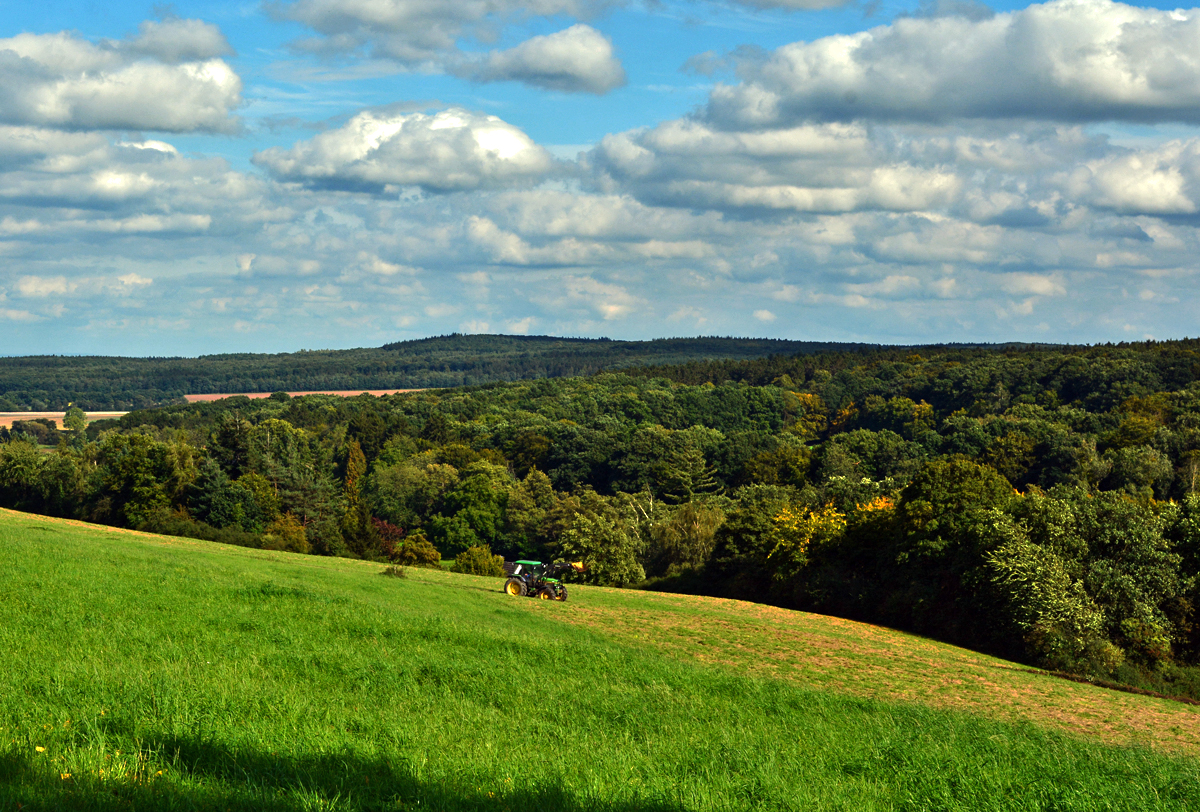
52	383
1037	503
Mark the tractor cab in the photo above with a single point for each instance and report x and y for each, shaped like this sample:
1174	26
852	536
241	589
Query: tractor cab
521	569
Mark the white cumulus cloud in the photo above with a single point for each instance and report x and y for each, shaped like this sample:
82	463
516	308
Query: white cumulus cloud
809	168
1032	284
174	40
577	59
37	286
1165	180
410	30
452	150
607	300
67	194
1067	60
158	81
506	248
428	35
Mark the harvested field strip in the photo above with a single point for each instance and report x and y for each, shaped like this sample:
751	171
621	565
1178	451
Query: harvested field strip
7	418
858	659
346	393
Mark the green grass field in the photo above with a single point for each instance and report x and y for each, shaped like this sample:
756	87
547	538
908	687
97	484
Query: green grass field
139	672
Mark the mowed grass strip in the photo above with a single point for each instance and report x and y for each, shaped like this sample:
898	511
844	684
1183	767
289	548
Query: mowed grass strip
859	659
148	673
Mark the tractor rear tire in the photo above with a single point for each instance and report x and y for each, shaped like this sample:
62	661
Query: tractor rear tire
515	587
562	593
546	594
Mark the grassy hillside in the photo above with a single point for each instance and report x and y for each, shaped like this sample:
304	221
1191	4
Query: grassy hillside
40	383
141	672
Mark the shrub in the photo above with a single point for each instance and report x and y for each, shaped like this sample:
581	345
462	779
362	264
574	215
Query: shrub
286	533
417	551
390	537
393	572
478	561
325	537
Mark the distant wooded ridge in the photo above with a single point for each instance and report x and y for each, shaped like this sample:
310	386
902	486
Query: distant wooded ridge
52	382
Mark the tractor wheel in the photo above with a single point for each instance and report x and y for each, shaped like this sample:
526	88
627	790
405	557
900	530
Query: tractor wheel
546	594
562	593
515	587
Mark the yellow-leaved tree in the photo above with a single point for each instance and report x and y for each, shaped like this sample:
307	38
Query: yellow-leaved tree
795	530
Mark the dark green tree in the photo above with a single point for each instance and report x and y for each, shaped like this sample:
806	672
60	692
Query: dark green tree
358	533
229	444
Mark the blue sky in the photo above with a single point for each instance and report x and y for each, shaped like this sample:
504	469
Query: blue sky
213	176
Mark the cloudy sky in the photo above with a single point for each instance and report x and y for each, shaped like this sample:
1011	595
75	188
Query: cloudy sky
215	176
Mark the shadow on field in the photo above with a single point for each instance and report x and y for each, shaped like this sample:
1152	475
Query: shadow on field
203	776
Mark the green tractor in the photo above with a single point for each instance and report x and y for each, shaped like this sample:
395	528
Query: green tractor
533	578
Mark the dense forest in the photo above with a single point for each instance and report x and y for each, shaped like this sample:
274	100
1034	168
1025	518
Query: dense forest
1039	503
52	383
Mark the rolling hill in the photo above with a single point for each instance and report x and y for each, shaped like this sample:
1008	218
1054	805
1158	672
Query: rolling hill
150	672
